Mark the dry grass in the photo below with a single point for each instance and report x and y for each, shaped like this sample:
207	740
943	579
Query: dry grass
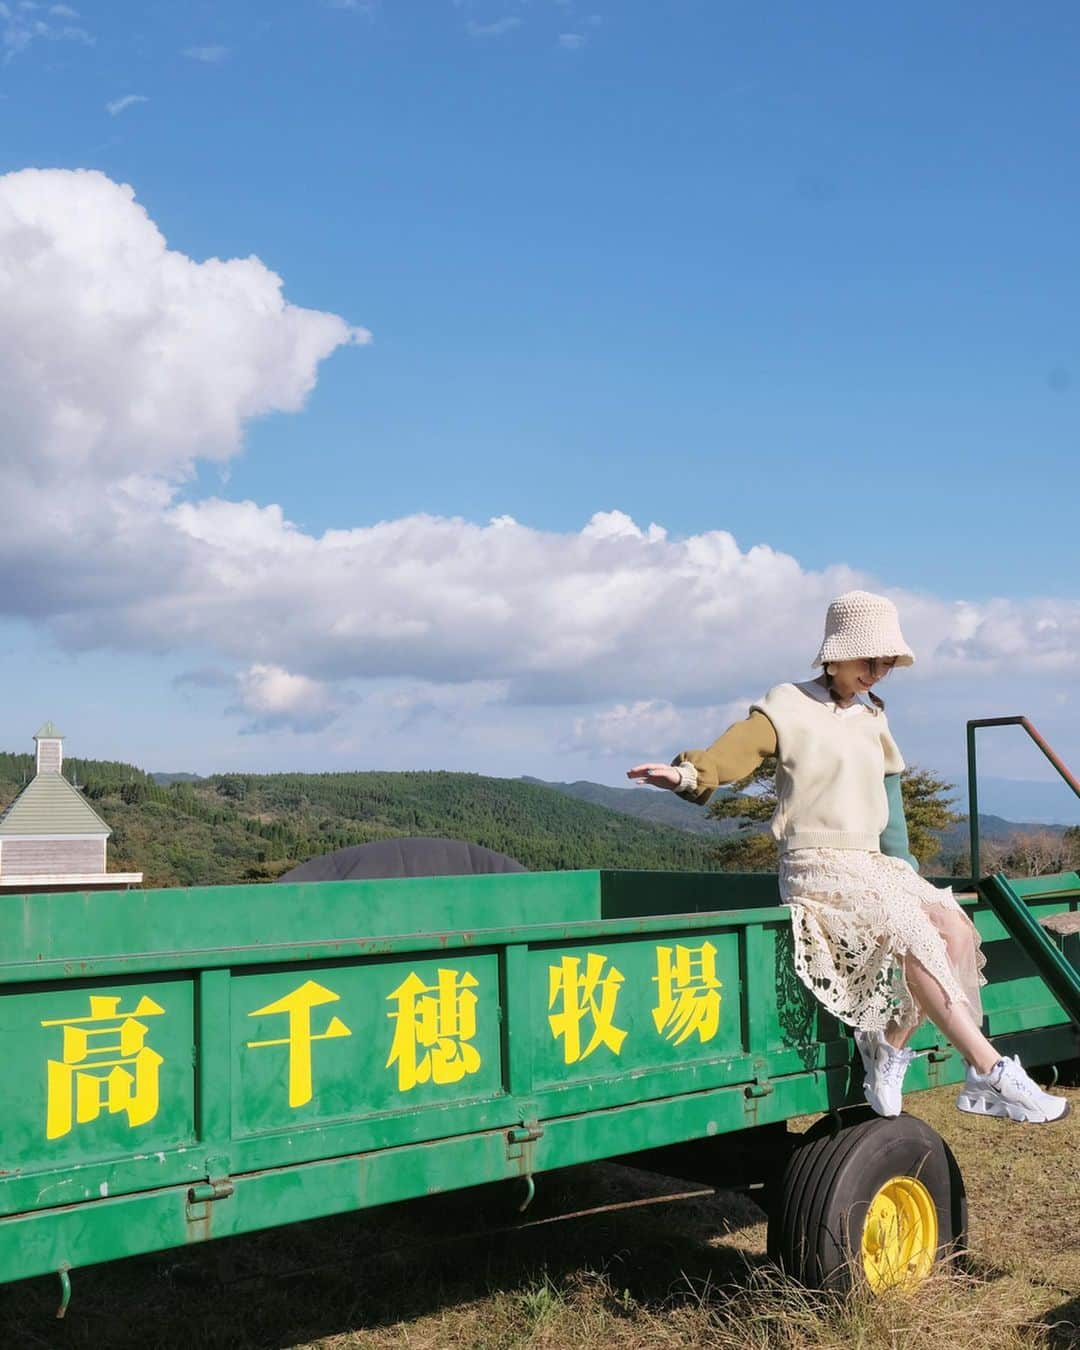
687	1273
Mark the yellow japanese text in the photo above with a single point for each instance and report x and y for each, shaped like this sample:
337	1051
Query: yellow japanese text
105	1063
434	1025
588	997
298	1006
687	994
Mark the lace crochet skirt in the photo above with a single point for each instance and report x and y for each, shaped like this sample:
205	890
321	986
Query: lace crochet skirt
855	914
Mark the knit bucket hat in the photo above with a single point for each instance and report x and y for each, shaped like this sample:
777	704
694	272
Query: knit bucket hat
860	625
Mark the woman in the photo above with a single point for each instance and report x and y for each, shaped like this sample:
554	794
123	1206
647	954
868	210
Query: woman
879	946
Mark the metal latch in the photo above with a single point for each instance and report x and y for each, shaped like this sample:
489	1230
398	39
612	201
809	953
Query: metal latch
520	1135
209	1190
760	1087
217	1186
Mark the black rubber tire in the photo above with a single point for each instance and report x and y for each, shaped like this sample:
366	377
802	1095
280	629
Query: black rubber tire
815	1230
786	1233
786	1196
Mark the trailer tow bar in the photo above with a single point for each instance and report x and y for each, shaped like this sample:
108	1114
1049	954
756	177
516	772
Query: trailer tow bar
65	1290
519	1141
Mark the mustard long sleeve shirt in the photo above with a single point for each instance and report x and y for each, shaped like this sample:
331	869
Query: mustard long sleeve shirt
731	756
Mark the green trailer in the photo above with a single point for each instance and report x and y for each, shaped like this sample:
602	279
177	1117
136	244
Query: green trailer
183	1065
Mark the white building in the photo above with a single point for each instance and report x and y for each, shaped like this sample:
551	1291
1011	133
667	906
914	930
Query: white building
51	838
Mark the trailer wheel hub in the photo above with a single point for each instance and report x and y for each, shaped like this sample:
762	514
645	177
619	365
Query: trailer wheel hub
900	1235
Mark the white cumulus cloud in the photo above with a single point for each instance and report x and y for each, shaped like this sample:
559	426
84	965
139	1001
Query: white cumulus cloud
124	364
635	730
274	699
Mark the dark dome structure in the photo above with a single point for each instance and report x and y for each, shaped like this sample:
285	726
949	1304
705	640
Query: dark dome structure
415	857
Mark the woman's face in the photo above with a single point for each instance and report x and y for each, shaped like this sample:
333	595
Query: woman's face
856	677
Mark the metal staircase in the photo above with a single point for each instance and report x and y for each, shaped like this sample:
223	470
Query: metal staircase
1045	942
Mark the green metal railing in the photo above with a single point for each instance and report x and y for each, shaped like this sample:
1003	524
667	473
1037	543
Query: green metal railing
1008	899
973	794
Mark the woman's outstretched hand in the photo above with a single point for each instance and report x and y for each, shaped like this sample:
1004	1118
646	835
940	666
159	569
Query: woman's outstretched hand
656	775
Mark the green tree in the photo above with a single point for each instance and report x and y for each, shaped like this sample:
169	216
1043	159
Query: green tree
1033	853
926	809
752	800
749	851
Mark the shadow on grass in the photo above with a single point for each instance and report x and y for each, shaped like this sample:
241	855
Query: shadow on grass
1062	1326
377	1268
979	1268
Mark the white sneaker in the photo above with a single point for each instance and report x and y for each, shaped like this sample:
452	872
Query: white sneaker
1007	1091
884	1069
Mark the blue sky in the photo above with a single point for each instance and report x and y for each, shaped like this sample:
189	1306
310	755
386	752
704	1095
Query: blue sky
803	276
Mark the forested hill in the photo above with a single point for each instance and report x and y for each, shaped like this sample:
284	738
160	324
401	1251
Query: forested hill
253	827
646	805
664	808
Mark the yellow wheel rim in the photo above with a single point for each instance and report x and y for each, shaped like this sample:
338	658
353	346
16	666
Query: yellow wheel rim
900	1235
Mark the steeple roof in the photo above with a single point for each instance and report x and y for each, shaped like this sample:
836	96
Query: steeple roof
48	732
50	805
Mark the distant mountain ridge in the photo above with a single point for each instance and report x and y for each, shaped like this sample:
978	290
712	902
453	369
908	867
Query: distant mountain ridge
179	829
658	808
664	808
1042	799
1048	801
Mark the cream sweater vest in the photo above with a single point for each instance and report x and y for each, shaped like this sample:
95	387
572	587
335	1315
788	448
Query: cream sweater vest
830	776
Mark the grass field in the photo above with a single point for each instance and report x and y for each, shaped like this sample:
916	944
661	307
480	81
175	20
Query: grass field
651	1273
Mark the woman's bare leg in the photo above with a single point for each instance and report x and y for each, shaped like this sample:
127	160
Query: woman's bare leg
898	1036
959	937
952	1019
